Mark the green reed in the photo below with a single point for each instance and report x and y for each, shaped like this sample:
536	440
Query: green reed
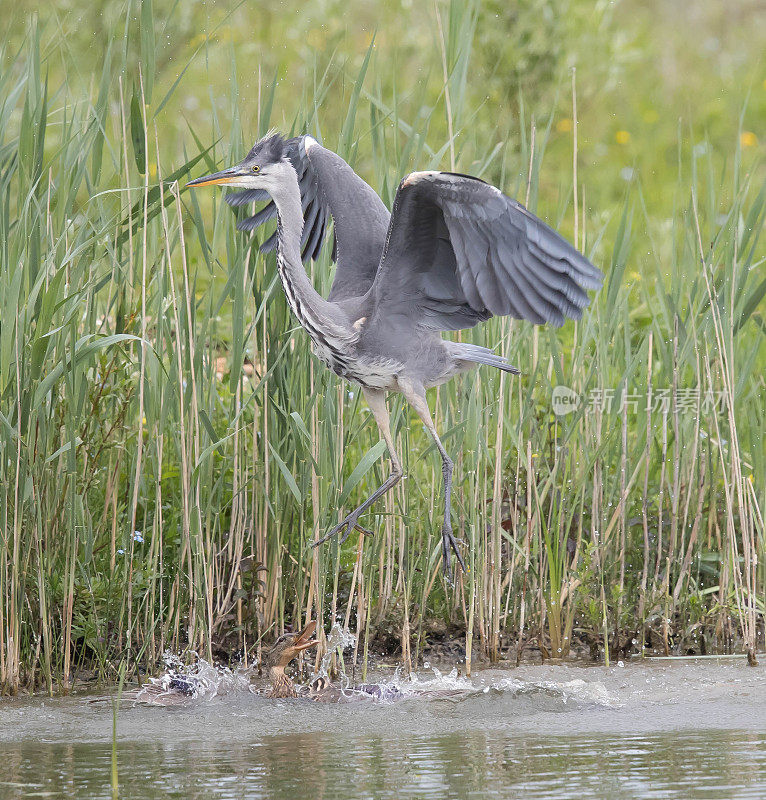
170	448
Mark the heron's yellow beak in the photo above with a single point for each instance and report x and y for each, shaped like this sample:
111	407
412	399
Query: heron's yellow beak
217	178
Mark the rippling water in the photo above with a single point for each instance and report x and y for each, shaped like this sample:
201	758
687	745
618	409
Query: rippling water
705	764
681	731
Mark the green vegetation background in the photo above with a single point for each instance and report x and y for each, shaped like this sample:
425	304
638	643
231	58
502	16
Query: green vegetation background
671	105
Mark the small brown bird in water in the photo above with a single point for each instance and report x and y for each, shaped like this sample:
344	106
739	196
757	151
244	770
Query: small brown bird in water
285	649
175	688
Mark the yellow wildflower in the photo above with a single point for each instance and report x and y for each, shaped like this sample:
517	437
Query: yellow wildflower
622	137
564	125
748	139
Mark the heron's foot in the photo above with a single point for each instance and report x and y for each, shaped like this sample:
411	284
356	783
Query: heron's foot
449	543
365	531
347	524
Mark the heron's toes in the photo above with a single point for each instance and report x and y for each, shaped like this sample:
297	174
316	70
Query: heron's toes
332	532
350	523
364	530
454	540
451	543
327	536
347	524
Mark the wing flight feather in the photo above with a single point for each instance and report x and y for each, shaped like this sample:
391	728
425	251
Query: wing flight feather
459	251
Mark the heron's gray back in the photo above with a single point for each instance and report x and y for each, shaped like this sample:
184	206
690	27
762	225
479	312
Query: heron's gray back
360	218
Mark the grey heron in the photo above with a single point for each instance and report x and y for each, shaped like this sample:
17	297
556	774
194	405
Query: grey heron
454	251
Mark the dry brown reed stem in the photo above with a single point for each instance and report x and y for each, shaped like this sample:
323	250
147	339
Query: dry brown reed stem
645	493
10	667
141	376
446	78
661	494
186	550
497	505
678	457
622	506
314	589
691	481
575	205
261	551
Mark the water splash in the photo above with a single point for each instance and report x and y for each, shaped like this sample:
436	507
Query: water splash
577	690
181	682
338	640
454	687
401	687
199	680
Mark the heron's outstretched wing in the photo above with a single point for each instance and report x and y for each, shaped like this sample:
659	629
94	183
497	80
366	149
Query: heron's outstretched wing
459	251
329	187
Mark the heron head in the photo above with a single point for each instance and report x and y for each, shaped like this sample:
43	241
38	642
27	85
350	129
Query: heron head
288	646
262	168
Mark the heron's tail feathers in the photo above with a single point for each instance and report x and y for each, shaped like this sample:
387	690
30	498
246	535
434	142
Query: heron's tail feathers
482	355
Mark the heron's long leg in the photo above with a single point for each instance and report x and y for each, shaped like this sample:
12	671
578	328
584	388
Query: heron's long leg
376	400
416	397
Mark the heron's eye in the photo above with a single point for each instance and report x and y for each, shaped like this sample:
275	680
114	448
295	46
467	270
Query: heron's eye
255	168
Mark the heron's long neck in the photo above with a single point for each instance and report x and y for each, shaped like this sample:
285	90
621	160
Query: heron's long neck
311	309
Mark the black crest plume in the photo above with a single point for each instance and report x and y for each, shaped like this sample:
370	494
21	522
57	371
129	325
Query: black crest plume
269	149
272	148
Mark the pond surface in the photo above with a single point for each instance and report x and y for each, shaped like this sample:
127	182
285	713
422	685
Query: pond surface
667	730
